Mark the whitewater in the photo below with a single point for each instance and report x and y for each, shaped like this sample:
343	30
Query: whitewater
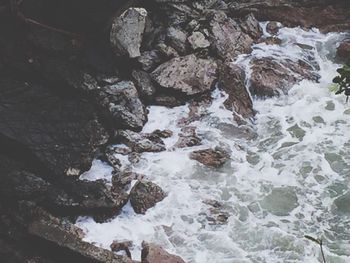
288	174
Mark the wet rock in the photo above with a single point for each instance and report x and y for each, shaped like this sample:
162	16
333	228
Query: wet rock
343	51
117	246
216	214
272	41
149	59
141	142
273	27
189	75
251	27
145	195
197	40
343	203
188	138
232	81
211	157
144	84
57	133
227	37
122	104
127	31
163	133
272	78
152	253
177	39
167	101
123	179
280	202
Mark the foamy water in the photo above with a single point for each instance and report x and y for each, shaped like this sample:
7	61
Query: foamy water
292	179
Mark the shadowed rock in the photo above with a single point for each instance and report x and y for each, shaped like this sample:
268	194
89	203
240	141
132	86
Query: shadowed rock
152	253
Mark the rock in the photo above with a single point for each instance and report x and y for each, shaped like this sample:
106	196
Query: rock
145	195
197	40
343	203
227	37
211	157
232	81
167	51
167	101
144	84
141	142
251	27
271	40
188	138
280	202
163	133
271	77
117	246
189	75
177	39
149	59
122	179
122	104
127	31
343	51
273	27
152	253
216	214
58	134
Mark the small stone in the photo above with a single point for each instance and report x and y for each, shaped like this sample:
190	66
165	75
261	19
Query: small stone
211	157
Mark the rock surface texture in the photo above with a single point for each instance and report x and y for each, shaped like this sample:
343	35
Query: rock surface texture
152	253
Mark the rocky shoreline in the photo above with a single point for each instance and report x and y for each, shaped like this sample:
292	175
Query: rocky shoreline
76	80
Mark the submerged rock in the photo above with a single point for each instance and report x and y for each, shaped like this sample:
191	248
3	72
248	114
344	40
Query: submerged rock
145	195
188	138
127	31
189	75
280	202
211	157
152	253
232	81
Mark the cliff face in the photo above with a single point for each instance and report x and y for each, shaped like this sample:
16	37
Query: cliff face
75	74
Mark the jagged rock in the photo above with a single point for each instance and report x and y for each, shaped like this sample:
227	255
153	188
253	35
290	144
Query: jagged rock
149	59
189	75
188	138
177	39
122	179
152	253
251	27
122	104
271	77
145	195
143	82
216	214
211	157
197	40
162	133
167	52
227	37
343	51
117	246
127	31
141	142
232	81
273	27
271	40
167	101
60	134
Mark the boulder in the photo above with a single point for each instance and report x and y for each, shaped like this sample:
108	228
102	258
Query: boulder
232	81
144	84
152	253
197	41
122	105
177	39
343	51
145	195
123	179
117	246
149	59
251	27
211	157
271	77
273	27
127	31
188	138
189	75
227	37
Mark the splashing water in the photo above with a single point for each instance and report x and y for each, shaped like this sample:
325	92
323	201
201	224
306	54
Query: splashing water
289	180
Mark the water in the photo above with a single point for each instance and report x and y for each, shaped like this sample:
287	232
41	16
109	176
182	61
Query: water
289	178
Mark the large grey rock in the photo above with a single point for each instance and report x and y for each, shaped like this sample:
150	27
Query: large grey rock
152	253
177	39
145	195
271	77
227	37
197	40
127	31
189	75
121	102
232	81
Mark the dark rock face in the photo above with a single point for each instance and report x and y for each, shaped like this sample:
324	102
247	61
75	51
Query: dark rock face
152	253
343	51
188	138
189	75
272	78
121	101
272	27
62	134
145	195
210	157
232	81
